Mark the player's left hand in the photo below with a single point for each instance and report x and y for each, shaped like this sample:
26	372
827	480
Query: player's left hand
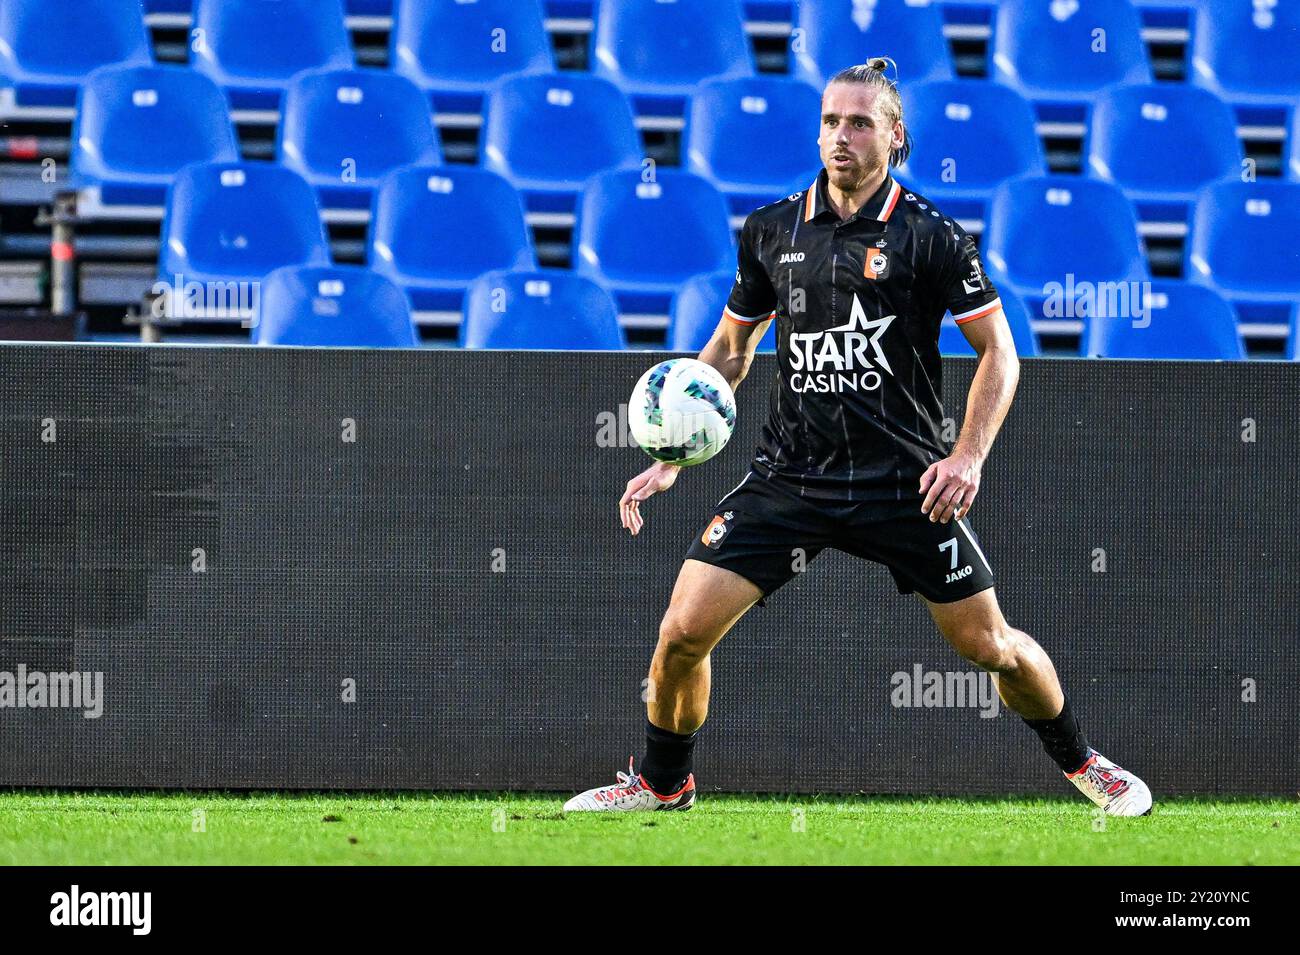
950	487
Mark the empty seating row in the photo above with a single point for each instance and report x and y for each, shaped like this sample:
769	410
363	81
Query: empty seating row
1175	320
356	307
1159	142
344	129
1053	51
1044	232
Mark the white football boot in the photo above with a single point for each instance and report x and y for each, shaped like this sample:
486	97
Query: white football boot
631	794
1116	790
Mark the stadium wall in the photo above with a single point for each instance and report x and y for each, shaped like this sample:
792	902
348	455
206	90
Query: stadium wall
358	569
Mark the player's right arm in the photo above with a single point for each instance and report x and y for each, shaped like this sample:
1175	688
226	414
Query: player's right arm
732	347
751	305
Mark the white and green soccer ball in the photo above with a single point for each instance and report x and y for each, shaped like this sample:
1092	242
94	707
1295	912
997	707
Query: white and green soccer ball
682	411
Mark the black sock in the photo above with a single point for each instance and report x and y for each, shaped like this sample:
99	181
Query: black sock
667	760
1062	738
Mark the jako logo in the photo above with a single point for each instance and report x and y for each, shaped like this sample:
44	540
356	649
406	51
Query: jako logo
103	908
836	359
946	689
787	257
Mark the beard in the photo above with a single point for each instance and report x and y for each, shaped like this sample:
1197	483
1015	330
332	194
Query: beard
850	177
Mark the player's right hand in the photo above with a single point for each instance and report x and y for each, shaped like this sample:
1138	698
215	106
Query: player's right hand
658	477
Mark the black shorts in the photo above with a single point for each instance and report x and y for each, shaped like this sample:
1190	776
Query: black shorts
764	531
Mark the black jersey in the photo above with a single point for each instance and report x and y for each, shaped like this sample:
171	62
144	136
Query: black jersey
856	412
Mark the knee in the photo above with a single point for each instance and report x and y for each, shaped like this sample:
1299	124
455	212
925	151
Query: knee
682	639
997	649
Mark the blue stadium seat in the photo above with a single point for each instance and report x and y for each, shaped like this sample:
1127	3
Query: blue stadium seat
434	229
952	341
1293	137
47	47
252	48
239	221
539	310
1060	231
1243	241
1046	50
642	240
1162	143
343	130
548	134
841	33
658	52
1293	340
1181	321
968	136
345	305
456	50
697	309
1248	53
749	137
136	126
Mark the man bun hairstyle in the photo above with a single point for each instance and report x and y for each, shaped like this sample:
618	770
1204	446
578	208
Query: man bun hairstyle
873	73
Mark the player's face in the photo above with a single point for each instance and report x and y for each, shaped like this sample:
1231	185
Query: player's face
856	136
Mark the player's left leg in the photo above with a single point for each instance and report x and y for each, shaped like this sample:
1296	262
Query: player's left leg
1027	682
946	566
1022	671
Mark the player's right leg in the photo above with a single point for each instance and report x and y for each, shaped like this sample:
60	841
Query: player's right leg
759	538
706	603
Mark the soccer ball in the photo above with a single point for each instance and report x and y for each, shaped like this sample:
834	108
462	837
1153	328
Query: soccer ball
682	411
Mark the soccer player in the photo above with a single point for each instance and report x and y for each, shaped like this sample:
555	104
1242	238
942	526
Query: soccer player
858	273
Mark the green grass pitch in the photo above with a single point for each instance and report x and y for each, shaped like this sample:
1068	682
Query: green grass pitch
201	828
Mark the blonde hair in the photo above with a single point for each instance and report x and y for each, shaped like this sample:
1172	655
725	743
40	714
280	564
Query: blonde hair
872	73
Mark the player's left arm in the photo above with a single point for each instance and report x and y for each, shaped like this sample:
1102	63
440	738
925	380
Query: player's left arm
950	485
